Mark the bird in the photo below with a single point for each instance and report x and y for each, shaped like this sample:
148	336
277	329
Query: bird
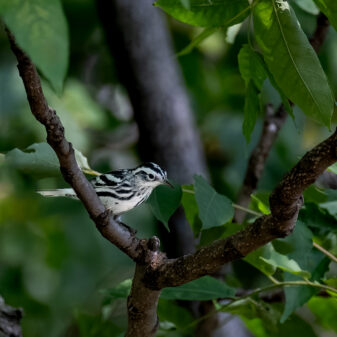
121	190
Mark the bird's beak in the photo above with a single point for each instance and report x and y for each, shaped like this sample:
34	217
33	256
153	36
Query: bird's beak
167	183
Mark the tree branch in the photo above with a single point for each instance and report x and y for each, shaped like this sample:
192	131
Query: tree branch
285	203
273	123
72	174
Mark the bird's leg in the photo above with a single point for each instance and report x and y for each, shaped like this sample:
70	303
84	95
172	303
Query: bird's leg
118	219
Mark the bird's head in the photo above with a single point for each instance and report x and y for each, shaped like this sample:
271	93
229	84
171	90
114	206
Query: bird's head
150	175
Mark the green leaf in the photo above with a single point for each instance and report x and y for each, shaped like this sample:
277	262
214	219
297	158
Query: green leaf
314	216
325	310
214	209
253	72
202	289
251	308
251	66
284	263
299	295
288	55
260	201
207	13
252	109
186	4
121	290
330	206
308	6
329	8
171	312
40	160
267	259
309	259
207	32
191	209
164	201
217	233
254	258
40	29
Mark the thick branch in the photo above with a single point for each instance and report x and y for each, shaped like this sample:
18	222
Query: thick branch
285	203
10	320
113	232
272	124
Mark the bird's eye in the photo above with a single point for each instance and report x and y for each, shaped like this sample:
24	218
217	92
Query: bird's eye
151	176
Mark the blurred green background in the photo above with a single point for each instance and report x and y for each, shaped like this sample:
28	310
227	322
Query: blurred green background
53	261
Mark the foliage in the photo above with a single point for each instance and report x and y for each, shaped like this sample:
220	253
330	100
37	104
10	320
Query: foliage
52	271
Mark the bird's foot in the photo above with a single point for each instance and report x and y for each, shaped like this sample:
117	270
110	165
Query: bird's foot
131	230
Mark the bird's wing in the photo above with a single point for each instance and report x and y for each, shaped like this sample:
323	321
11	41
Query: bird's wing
115	180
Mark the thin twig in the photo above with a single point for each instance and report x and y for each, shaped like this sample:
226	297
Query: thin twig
324	251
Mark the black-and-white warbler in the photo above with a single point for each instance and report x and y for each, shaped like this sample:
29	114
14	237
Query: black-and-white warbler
121	190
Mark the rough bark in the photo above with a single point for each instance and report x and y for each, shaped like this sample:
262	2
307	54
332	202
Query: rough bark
273	123
10	320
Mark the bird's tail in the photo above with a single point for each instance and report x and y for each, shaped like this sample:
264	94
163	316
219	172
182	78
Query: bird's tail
63	192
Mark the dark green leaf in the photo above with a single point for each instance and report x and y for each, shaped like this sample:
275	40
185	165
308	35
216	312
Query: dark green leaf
314	216
251	66
171	312
40	29
207	13
288	55
330	206
191	209
329	8
214	209
252	109
164	201
216	233
299	295
202	289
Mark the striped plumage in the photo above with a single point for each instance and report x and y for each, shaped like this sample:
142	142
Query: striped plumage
122	190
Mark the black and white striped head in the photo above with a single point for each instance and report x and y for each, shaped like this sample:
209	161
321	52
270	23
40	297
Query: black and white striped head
150	175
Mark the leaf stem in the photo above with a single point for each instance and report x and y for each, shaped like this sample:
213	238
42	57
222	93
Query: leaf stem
247	210
324	251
